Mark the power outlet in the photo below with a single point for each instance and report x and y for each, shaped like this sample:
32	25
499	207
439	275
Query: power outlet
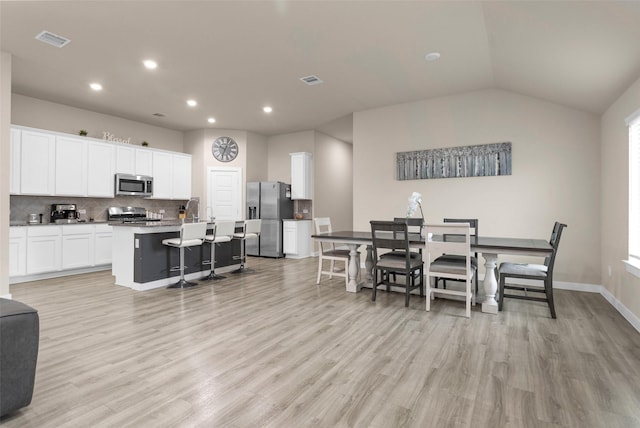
609	269
161	211
305	211
82	211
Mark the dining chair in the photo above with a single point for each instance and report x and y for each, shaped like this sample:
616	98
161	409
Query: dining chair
532	272
393	236
223	231
438	267
460	260
191	234
328	251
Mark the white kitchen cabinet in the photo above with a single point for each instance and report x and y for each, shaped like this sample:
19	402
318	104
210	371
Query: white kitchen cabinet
103	244
125	159
171	176
301	173
37	163
133	160
144	162
43	249
181	177
14	175
77	246
297	238
162	175
17	251
101	169
71	166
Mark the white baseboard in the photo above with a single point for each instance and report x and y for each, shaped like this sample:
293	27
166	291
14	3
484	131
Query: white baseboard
7	296
624	311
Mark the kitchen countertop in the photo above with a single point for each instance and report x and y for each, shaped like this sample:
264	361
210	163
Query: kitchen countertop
24	223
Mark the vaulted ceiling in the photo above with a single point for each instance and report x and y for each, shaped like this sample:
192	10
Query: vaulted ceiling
234	57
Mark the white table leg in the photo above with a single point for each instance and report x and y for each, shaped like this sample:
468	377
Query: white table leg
490	284
354	268
368	264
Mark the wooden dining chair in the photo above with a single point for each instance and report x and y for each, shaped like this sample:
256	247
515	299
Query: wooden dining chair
328	251
437	267
458	259
532	272
391	236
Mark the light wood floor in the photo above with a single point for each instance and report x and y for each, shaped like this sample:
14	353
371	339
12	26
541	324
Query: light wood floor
273	349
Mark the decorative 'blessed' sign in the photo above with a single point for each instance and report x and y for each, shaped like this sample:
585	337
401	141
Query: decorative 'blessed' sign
108	136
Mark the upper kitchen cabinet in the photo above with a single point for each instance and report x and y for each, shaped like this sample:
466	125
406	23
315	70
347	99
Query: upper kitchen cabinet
162	175
301	173
14	176
134	161
71	167
181	177
101	169
171	175
37	163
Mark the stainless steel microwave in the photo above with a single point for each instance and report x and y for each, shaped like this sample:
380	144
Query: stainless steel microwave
137	185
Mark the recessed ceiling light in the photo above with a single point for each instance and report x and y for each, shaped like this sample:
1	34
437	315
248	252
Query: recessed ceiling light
192	103
432	56
95	86
211	120
150	64
267	109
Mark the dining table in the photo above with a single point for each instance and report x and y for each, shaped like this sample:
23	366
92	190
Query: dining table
490	247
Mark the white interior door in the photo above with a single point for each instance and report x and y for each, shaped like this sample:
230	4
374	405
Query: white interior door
224	193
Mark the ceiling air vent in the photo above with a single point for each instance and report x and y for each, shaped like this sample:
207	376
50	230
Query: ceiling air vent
159	114
52	39
311	80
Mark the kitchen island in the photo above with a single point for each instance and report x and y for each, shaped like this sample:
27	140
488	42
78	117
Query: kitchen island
142	262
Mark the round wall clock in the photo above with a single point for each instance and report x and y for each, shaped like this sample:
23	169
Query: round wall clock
225	149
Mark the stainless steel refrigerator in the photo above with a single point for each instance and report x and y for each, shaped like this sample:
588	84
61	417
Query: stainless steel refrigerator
271	202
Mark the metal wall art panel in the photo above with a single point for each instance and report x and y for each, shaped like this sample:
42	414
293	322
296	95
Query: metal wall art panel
468	161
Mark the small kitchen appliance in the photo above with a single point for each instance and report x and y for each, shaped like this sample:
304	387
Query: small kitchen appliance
64	213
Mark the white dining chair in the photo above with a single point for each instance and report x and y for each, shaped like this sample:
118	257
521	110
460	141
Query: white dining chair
328	251
435	268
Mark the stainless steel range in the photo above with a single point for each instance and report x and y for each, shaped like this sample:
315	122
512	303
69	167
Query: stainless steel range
129	215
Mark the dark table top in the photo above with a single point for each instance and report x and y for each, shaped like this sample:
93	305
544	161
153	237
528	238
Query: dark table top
487	244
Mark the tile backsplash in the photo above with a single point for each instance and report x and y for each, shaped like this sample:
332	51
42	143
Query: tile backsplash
96	208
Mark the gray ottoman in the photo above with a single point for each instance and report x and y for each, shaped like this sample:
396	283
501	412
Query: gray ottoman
19	337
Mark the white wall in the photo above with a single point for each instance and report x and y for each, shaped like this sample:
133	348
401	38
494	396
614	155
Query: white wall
279	147
198	143
556	170
615	200
42	114
5	145
333	181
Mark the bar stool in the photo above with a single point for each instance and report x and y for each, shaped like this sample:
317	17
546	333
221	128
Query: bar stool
191	234
250	229
223	231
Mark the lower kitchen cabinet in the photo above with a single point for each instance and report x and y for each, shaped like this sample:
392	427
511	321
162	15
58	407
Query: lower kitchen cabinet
17	251
103	245
43	249
78	246
54	250
297	238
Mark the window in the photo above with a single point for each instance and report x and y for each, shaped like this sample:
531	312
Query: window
633	122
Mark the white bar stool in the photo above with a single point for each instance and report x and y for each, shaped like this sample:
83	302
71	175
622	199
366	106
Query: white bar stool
191	234
250	229
223	231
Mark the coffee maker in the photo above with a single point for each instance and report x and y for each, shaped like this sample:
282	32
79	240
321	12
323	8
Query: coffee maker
64	213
